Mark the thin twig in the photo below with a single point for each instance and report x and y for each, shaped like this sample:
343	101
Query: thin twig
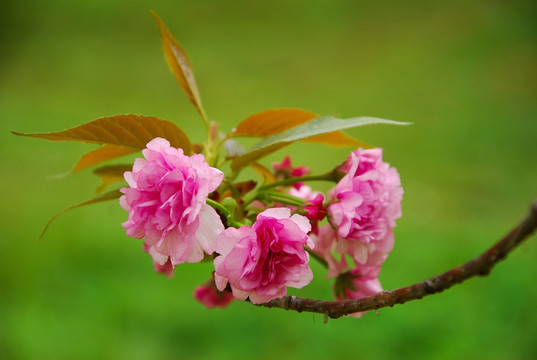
480	266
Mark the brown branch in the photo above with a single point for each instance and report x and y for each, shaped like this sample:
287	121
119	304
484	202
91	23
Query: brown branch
480	266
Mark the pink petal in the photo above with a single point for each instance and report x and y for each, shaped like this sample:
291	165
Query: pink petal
210	226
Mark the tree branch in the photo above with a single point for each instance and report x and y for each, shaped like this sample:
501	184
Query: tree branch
480	266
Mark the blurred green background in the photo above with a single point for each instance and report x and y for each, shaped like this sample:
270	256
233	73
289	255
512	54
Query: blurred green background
464	73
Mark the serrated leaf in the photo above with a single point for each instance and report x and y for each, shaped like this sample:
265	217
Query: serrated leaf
318	126
315	128
111	174
104	153
179	64
273	121
108	196
133	131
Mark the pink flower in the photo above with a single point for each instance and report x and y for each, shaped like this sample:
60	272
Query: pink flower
365	204
325	242
166	204
359	286
259	262
285	170
354	285
314	207
165	269
209	296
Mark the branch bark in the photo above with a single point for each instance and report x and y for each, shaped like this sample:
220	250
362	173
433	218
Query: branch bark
480	266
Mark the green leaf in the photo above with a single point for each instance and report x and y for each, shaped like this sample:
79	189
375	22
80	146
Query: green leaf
318	127
274	121
111	174
133	131
179	64
108	196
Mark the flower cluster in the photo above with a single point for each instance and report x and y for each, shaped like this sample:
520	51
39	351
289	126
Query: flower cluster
260	235
262	246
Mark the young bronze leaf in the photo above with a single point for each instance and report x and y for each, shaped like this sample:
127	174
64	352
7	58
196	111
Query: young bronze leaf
319	126
104	153
111	174
337	139
273	121
133	131
179	64
108	196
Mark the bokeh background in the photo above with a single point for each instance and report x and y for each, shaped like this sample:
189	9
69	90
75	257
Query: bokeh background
464	73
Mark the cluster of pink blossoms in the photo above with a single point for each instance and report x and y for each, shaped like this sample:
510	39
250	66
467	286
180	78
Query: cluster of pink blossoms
362	210
167	201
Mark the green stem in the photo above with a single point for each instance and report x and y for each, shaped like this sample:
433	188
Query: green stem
317	257
223	140
212	146
211	153
216	205
329	176
332	175
250	197
285	198
205	119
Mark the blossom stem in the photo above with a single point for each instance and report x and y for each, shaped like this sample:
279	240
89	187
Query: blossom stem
205	119
213	145
329	176
222	141
317	257
230	221
285	198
